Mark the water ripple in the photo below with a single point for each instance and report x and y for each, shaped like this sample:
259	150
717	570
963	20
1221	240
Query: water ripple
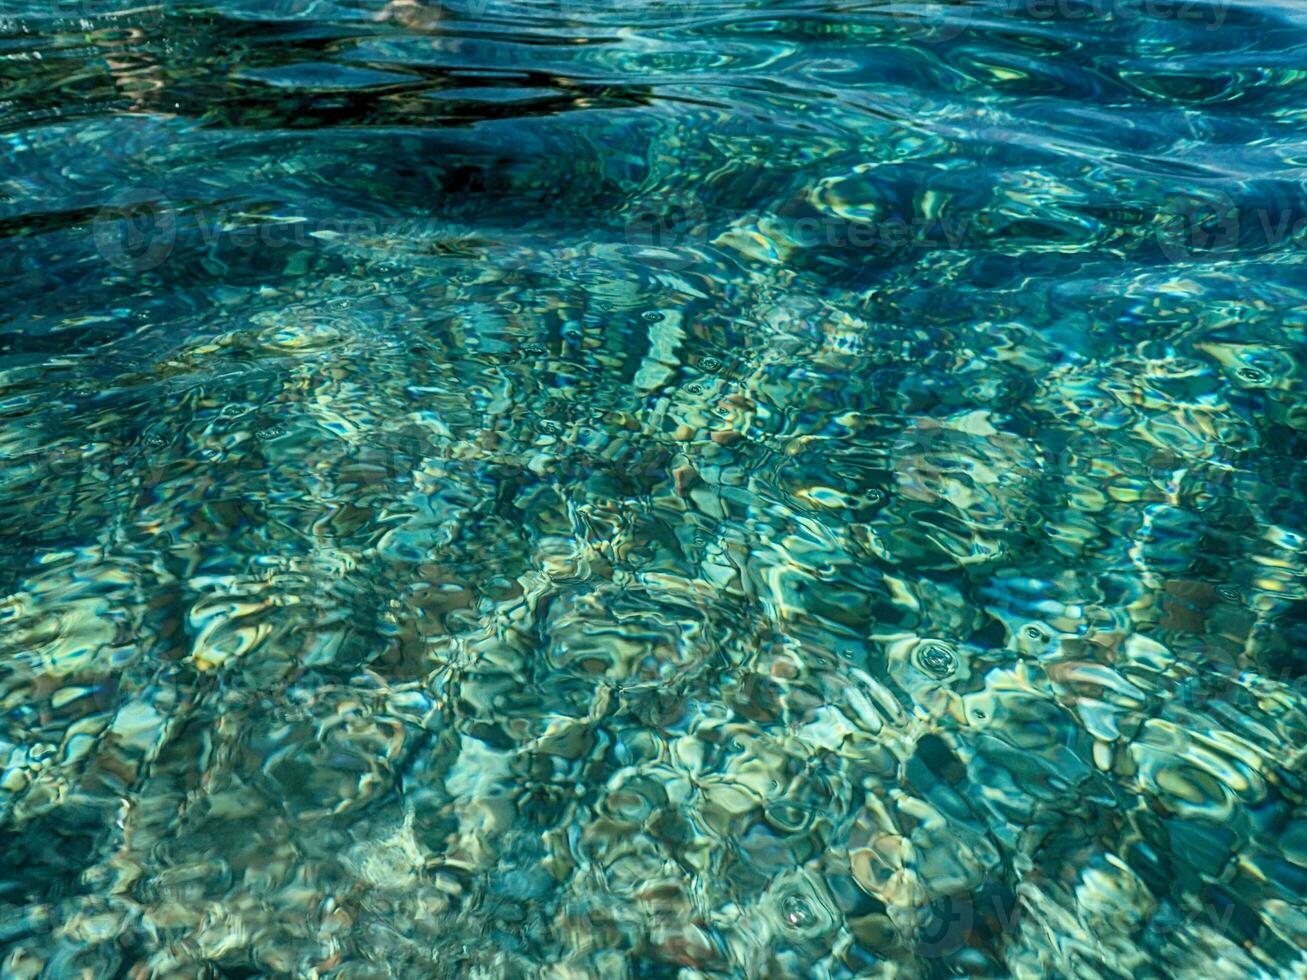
715	487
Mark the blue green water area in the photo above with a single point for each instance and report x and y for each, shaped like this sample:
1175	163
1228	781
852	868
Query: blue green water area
652	489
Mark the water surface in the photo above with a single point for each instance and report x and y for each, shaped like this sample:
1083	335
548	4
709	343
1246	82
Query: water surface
695	488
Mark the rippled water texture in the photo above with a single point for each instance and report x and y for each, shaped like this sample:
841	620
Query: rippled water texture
652	489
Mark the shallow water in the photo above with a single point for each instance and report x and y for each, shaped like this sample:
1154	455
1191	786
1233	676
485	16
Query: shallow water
671	489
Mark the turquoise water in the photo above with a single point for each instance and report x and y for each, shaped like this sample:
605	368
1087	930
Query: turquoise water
652	489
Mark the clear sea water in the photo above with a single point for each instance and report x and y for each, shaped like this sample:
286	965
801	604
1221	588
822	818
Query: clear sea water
653	489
